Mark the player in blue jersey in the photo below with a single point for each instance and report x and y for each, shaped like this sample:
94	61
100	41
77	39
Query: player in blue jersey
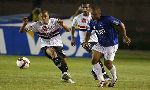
80	23
107	45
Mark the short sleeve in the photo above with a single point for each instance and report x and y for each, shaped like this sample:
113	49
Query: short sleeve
55	20
115	21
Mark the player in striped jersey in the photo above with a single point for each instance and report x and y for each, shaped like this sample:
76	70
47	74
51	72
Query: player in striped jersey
48	30
80	22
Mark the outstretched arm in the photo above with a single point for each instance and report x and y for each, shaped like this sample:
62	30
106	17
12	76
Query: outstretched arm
25	22
126	39
79	11
66	28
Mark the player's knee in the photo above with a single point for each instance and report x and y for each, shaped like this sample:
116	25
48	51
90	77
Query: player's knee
108	64
51	52
94	61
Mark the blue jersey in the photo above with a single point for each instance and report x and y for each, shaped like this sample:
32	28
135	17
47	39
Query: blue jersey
105	31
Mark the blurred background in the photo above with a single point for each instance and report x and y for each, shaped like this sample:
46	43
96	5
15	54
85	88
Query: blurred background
134	13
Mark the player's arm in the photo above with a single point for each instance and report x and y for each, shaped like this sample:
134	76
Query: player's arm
61	23
23	27
126	39
122	28
73	28
72	36
79	11
87	36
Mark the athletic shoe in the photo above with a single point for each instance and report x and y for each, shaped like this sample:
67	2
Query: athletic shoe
106	77
102	84
67	78
112	83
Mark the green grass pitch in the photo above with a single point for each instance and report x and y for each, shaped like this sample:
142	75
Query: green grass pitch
133	69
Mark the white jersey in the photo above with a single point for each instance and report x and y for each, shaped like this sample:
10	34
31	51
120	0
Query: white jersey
81	22
49	33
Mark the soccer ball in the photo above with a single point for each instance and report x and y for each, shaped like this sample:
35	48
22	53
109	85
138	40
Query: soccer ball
23	62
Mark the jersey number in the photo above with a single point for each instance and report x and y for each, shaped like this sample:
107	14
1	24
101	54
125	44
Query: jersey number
102	31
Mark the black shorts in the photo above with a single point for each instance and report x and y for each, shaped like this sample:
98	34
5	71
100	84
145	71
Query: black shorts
58	49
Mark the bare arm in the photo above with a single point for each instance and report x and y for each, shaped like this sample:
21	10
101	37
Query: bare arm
87	37
66	28
72	36
78	11
126	39
25	22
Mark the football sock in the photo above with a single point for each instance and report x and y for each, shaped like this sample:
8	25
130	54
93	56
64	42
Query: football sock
98	71
59	63
113	72
103	70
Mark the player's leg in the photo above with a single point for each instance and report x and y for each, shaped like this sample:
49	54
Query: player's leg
50	53
65	75
62	56
105	75
111	67
89	49
96	66
109	57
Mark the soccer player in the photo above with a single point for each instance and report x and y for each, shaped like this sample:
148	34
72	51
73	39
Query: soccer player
107	45
80	23
79	11
48	30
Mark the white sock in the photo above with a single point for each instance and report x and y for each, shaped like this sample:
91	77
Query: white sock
113	72
65	73
98	71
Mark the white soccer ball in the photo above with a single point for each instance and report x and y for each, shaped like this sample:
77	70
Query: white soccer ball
23	62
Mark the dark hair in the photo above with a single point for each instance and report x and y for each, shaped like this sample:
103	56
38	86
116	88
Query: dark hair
44	11
36	11
85	3
96	8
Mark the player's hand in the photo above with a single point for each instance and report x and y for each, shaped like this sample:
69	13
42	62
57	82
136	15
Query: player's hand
25	20
85	44
73	43
126	40
60	22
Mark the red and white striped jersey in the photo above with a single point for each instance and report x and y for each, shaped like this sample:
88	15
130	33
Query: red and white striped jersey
49	33
80	22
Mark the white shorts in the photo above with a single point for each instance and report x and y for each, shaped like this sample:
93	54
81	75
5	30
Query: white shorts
109	52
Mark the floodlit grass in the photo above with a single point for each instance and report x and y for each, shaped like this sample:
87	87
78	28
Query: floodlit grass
133	68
